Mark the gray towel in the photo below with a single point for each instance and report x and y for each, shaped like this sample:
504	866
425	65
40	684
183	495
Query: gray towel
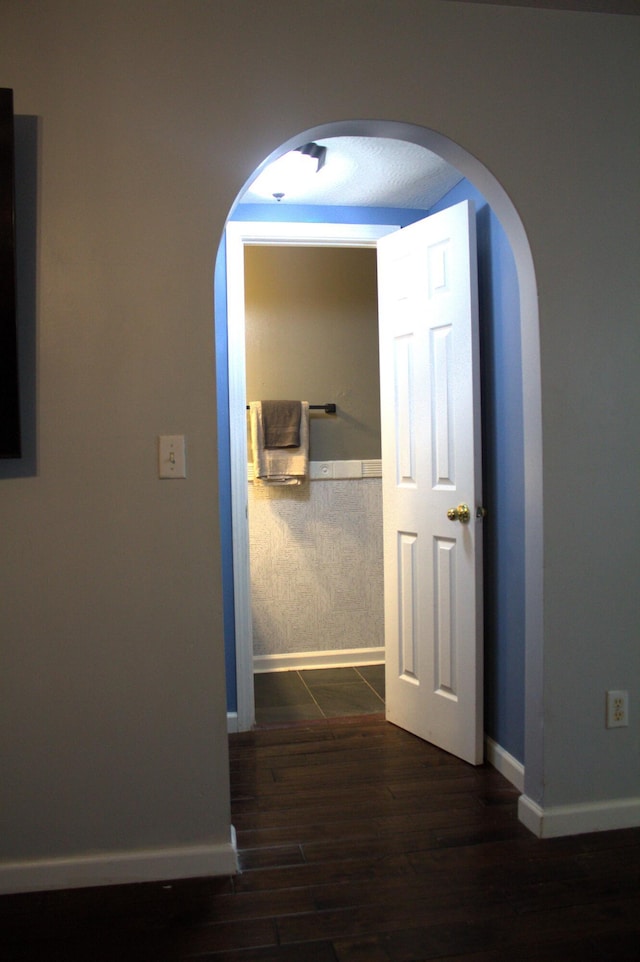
281	423
279	465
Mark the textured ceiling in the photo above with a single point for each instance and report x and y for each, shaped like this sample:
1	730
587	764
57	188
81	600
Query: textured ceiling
371	172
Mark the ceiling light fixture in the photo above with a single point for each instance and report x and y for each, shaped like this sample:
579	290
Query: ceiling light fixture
316	153
290	173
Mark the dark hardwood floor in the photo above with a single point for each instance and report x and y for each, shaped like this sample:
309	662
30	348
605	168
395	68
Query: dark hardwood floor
358	843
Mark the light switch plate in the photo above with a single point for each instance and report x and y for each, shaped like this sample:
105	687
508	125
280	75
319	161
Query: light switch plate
171	456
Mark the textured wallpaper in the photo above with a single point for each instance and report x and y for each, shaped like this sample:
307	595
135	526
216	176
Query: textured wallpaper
316	566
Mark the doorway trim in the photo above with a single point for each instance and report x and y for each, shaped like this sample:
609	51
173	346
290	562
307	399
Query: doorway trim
238	235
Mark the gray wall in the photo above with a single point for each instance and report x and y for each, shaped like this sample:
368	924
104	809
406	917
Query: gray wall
312	333
152	116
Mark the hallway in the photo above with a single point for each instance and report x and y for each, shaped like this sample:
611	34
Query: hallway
358	843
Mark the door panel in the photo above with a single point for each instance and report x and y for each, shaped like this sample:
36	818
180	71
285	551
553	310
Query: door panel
427	282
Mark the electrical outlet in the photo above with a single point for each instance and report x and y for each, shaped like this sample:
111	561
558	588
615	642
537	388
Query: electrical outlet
617	709
320	470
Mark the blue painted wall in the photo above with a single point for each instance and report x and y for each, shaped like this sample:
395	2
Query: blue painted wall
224	471
502	448
503	475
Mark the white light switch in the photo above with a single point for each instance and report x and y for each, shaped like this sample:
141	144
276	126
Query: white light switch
171	456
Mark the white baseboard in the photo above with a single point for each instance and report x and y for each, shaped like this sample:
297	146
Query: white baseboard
577	819
301	660
506	764
154	865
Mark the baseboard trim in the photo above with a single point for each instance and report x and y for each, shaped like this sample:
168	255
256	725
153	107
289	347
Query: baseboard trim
301	660
153	865
604	816
506	764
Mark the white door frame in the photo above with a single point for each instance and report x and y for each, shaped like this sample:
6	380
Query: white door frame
238	235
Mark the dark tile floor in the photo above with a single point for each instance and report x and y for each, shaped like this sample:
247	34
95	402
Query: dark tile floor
286	697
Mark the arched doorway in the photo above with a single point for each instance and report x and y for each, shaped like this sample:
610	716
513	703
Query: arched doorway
481	178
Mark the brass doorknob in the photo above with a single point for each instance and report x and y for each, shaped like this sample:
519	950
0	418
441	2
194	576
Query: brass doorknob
462	513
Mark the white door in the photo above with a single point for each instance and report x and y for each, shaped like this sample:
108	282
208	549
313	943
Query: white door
430	404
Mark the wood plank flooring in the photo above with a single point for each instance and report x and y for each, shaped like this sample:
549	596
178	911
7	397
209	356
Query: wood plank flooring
358	843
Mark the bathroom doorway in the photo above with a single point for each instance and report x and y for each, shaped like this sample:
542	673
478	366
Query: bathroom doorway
335	237
316	572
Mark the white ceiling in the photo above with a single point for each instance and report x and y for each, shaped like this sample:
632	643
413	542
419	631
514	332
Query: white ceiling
372	172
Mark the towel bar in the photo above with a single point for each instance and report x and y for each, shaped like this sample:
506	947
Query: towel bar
327	408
